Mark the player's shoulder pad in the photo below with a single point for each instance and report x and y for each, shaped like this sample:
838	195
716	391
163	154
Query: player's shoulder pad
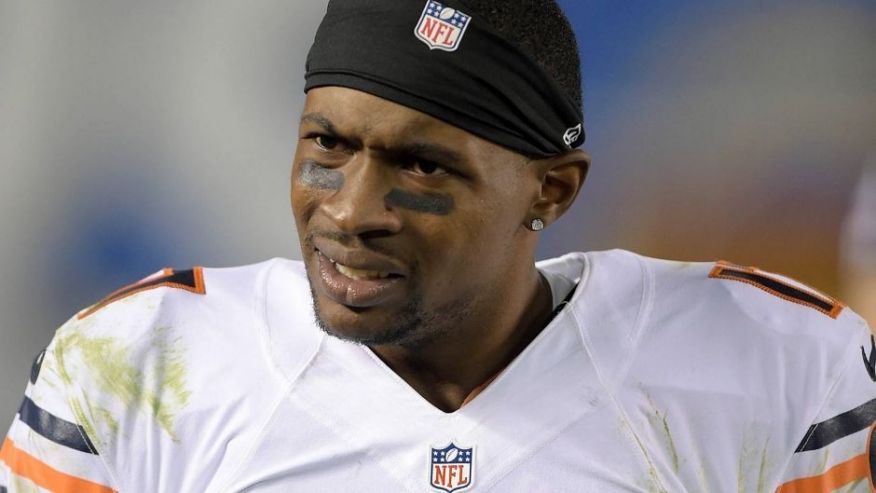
769	331
171	293
741	298
159	338
198	303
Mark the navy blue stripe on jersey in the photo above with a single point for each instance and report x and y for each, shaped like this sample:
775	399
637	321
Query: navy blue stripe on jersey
35	368
2	489
826	432
778	287
191	280
54	428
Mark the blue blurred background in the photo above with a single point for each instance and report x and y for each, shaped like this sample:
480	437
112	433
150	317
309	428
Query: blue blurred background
139	135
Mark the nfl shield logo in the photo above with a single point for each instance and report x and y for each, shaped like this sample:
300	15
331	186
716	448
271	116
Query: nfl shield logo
452	468
440	27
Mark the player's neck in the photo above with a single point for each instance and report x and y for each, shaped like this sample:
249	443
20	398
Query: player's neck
447	371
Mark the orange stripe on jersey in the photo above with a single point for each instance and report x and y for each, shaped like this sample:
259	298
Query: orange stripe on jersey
854	469
25	465
188	280
777	287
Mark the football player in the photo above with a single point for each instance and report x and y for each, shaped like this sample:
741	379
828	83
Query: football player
417	346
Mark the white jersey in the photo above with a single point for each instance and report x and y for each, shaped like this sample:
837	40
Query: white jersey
656	376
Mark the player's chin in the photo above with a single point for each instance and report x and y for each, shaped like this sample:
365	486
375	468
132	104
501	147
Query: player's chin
372	325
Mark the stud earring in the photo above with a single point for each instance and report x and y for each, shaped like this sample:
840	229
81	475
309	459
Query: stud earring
536	224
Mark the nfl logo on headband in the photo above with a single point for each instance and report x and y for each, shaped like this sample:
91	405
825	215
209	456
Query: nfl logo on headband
440	27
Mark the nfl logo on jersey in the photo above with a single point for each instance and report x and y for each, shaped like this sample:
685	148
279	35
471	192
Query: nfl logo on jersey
440	27
452	468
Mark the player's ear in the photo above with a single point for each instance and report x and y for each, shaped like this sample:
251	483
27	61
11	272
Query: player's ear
562	177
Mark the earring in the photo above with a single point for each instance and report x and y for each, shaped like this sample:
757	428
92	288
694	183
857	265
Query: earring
536	224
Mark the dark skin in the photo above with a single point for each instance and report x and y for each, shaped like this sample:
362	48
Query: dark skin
379	186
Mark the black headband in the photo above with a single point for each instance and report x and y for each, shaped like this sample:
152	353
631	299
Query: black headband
438	59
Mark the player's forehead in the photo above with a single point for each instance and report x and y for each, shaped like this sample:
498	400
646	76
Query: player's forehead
357	114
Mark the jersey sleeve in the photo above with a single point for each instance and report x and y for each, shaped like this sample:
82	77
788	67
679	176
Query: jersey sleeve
47	449
837	453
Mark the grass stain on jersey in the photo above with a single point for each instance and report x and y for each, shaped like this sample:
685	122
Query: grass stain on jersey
158	388
753	458
660	421
824	460
652	483
172	373
764	467
105	417
23	485
852	487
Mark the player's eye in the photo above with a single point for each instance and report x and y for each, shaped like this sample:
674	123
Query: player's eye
427	168
326	142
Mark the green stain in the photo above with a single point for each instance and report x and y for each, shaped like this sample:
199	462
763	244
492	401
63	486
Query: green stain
652	483
82	418
742	468
703	478
23	485
156	387
110	421
764	467
824	460
851	487
171	372
661	421
753	458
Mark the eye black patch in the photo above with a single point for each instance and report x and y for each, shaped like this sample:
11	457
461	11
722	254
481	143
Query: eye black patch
430	204
314	175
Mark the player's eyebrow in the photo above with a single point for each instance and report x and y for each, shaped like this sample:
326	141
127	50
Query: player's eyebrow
321	120
432	152
425	150
437	151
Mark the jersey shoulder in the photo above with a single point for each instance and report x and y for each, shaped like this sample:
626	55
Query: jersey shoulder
737	321
158	361
199	311
725	293
173	295
729	353
769	331
161	338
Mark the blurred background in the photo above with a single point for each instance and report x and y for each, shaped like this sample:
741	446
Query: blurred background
139	135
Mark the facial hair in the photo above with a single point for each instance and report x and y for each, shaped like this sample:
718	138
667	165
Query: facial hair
413	326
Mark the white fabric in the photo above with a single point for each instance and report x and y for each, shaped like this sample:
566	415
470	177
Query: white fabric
655	377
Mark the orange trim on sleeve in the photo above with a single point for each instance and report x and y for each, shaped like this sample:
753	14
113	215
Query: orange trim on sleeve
836	306
854	469
41	474
164	280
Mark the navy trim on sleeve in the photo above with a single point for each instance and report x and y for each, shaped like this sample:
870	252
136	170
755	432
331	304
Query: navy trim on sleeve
826	432
54	428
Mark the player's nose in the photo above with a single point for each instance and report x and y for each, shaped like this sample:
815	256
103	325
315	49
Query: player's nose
359	207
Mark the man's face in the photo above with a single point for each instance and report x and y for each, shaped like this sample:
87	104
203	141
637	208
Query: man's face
407	224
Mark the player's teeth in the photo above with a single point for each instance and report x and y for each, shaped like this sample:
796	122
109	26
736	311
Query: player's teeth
359	274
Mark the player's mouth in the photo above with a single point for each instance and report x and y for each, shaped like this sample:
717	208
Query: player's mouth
360	274
358	286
